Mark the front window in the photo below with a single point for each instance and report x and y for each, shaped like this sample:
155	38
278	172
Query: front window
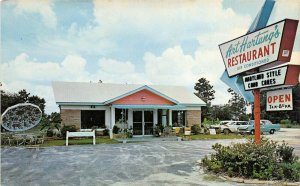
121	118
178	118
92	119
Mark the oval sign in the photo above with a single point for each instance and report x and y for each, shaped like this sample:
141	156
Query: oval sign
21	117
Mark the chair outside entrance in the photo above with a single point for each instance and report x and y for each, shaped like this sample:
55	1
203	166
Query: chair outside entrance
187	133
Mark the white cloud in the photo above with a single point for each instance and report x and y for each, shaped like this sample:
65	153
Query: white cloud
172	67
44	8
163	21
36	77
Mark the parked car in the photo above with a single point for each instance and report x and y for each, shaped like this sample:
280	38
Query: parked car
232	126
218	126
228	126
265	126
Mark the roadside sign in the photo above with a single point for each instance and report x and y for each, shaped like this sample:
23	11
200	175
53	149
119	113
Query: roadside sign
280	100
264	79
272	43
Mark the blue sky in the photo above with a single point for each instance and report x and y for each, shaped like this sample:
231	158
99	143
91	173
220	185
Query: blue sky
152	42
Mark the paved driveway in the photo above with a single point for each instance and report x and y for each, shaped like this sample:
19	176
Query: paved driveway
149	163
290	136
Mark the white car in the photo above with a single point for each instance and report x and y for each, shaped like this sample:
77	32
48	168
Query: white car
218	126
232	126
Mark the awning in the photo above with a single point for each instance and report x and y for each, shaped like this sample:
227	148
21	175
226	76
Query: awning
149	106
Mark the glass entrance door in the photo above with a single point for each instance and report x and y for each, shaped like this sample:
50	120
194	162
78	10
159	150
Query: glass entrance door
137	123
142	122
148	122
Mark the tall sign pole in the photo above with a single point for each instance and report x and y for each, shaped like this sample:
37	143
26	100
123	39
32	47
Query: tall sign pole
256	93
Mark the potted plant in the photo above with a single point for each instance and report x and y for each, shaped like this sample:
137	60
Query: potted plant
158	129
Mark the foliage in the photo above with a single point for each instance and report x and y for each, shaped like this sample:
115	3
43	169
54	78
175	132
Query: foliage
116	129
204	90
221	112
106	132
237	105
159	128
217	136
129	133
285	121
196	129
9	99
267	161
50	123
70	128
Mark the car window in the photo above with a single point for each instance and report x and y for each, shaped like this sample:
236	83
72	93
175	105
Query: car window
243	123
251	122
223	123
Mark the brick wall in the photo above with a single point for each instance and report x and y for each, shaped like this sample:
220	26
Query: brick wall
71	117
193	117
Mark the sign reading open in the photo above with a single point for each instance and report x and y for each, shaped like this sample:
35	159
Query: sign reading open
280	100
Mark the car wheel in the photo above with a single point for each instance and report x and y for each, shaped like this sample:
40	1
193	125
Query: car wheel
226	131
252	132
272	131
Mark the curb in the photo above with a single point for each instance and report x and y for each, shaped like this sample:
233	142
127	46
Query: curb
256	181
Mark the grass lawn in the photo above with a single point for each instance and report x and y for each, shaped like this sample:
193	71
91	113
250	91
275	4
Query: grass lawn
83	141
217	136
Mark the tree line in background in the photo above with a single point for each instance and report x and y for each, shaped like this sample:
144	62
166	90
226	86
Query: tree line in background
235	109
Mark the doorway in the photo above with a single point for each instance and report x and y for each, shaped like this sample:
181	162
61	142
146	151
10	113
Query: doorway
142	122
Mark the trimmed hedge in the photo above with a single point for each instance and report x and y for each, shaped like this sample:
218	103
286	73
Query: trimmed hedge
266	161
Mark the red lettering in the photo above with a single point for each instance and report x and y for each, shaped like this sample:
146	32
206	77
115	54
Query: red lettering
266	50
288	97
281	98
275	98
270	99
254	54
240	59
244	58
260	53
229	62
272	45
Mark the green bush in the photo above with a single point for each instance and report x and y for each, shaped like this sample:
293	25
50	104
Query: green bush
70	128
196	129
106	132
267	161
285	121
116	129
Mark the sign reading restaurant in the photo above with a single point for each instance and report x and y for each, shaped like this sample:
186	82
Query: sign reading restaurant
280	100
272	43
267	78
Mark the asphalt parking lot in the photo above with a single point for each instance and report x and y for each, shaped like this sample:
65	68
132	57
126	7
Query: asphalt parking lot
147	163
289	135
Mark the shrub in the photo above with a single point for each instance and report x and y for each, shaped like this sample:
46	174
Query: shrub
285	121
116	129
268	160
196	129
106	132
70	128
